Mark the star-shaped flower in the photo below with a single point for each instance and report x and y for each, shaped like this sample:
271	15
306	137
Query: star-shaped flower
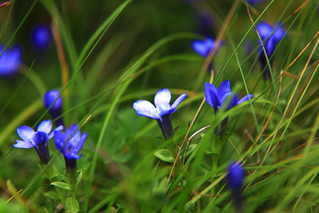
37	139
71	142
161	111
162	106
218	98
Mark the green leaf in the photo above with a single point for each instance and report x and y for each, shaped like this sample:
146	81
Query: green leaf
68	205
164	155
52	195
79	177
61	185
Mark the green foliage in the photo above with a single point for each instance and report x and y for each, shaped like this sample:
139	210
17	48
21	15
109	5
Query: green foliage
106	55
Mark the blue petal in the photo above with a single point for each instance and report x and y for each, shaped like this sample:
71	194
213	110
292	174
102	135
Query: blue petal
223	89
145	108
211	96
73	131
233	102
41	36
81	143
279	33
162	97
10	60
245	98
59	128
203	47
59	139
45	126
72	155
25	132
179	100
264	30
23	144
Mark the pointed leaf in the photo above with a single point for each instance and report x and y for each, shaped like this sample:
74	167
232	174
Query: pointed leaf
164	155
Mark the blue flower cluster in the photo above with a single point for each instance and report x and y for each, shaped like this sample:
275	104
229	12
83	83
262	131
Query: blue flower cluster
69	144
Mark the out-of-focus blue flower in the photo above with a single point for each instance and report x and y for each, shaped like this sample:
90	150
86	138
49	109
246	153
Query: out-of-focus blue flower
271	36
218	98
69	144
161	111
41	37
254	1
55	111
37	139
203	47
10	60
235	180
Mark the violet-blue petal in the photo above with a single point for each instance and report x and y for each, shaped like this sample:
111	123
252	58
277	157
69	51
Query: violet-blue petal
179	100
81	143
279	33
59	139
45	126
59	128
72	134
145	108
223	89
264	30
203	47
233	101
41	36
211	96
39	138
25	132
245	98
23	144
10	60
162	97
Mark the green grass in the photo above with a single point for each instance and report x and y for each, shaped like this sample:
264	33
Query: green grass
117	52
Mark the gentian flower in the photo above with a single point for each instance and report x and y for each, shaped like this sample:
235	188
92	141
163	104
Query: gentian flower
161	111
41	37
37	139
270	36
10	60
55	110
218	98
69	144
235	180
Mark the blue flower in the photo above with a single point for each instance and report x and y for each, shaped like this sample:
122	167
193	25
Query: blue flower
235	180
10	60
37	139
41	37
55	110
161	111
271	36
218	98
69	144
203	47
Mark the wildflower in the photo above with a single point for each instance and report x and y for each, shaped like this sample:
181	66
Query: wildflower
203	47
41	37
235	180
270	36
55	110
69	144
10	60
37	139
161	111
218	98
